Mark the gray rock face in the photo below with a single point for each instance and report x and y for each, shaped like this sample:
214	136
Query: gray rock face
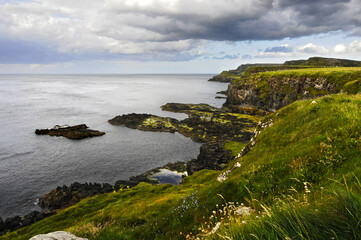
60	235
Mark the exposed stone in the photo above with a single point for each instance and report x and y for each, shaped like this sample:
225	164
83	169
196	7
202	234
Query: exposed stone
73	132
185	108
212	156
65	196
17	222
204	123
59	235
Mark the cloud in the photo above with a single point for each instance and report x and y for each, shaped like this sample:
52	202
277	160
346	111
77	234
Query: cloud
340	48
355	46
227	57
276	51
311	48
246	57
166	29
279	49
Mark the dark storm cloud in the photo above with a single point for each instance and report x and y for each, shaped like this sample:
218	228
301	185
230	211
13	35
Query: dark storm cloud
269	20
160	29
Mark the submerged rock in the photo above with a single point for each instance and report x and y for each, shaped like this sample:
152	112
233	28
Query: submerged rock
73	132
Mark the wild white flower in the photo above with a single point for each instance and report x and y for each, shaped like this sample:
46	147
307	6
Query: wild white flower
243	211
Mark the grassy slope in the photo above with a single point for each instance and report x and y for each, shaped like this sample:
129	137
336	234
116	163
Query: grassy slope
308	142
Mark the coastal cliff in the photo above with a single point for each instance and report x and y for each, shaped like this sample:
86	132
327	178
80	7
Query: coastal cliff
273	90
296	177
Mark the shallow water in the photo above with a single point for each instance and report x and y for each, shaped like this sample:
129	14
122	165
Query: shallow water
32	165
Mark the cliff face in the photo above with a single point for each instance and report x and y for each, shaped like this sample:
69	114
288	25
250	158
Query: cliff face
273	90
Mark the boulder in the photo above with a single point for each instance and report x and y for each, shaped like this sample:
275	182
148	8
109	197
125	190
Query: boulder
59	235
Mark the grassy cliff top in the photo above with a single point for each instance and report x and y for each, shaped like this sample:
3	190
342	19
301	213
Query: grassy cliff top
314	62
313	143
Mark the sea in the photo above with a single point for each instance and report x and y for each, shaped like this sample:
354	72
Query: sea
32	165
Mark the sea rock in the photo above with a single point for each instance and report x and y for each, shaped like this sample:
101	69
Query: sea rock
73	132
17	222
212	156
185	108
59	235
204	123
65	196
146	122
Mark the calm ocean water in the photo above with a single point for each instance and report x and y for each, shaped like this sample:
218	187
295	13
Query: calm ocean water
32	165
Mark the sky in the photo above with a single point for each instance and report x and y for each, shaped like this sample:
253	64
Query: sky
172	36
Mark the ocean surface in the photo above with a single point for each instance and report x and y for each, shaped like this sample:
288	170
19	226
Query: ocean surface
32	165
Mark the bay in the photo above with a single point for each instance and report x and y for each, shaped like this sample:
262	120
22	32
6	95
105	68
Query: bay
32	165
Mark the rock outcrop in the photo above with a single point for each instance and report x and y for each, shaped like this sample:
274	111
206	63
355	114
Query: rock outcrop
212	156
65	196
17	222
73	132
59	235
204	123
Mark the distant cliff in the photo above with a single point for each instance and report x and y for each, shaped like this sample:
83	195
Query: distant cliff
251	69
228	76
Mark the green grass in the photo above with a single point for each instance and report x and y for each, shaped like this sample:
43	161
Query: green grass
317	143
235	147
336	215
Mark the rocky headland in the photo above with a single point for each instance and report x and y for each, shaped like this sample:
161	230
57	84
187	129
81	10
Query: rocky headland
72	132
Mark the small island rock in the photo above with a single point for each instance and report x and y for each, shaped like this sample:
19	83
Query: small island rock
72	132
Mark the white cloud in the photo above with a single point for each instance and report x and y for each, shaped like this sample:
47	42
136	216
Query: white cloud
311	48
355	46
340	48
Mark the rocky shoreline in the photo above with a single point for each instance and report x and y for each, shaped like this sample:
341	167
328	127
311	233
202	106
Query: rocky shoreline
17	222
206	124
